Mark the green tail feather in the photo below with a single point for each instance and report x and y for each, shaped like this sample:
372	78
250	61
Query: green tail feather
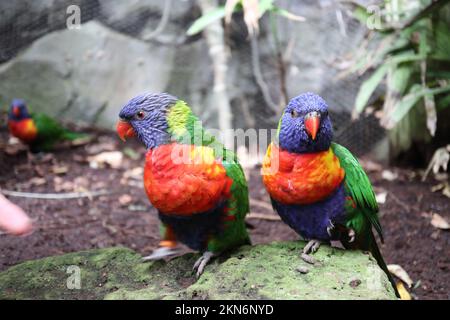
70	135
377	255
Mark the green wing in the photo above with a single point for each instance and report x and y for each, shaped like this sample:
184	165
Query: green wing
358	186
239	189
235	231
50	132
47	127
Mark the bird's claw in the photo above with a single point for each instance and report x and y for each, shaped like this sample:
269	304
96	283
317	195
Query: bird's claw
201	262
160	253
330	228
351	234
311	247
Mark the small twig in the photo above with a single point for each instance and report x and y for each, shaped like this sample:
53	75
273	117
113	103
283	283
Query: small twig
163	22
55	196
256	67
262	216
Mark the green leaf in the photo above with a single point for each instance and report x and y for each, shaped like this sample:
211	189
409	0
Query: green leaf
287	14
408	56
360	13
264	6
208	18
368	87
415	94
406	103
398	78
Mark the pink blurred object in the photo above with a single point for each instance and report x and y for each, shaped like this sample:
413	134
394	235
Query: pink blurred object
12	218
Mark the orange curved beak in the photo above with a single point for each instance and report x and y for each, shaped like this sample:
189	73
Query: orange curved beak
125	130
312	124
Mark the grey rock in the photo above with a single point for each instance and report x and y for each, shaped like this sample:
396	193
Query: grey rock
85	74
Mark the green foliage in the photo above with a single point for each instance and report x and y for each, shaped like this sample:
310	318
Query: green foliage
202	22
413	56
220	12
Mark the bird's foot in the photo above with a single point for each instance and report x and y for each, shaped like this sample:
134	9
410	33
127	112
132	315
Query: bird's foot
200	264
351	234
330	228
311	247
160	253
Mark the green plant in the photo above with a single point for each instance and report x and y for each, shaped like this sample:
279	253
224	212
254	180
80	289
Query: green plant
412	57
253	11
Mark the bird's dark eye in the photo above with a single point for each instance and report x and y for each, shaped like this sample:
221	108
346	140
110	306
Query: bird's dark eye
294	113
140	115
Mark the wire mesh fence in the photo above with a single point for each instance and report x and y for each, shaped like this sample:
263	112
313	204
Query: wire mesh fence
311	51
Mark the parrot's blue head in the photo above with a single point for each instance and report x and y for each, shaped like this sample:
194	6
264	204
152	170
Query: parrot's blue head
305	126
145	116
18	110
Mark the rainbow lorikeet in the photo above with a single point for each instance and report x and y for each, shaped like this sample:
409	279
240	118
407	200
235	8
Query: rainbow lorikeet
317	186
37	130
196	184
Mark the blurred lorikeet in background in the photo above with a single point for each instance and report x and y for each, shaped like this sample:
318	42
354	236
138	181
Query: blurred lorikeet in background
196	184
38	130
317	186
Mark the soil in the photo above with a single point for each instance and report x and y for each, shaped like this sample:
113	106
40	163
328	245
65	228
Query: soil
125	217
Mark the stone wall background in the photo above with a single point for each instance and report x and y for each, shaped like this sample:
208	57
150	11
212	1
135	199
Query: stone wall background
86	75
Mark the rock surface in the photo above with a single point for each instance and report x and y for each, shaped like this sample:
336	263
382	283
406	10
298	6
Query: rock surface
94	69
272	271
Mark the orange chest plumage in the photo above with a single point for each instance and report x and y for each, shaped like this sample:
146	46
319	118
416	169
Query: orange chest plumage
184	179
300	178
25	129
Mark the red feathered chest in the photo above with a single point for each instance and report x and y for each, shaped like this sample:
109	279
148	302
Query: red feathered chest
300	178
185	179
24	129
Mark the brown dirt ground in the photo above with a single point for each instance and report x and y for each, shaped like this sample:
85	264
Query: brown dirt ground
63	226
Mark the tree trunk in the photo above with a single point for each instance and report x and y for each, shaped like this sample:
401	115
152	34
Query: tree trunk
214	35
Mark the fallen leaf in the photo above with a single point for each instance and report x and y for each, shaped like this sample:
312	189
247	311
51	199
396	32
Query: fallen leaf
439	222
13	140
404	294
400	273
389	175
60	170
439	160
125	199
135	173
381	197
441	176
37	181
438	187
104	145
446	191
62	185
111	158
